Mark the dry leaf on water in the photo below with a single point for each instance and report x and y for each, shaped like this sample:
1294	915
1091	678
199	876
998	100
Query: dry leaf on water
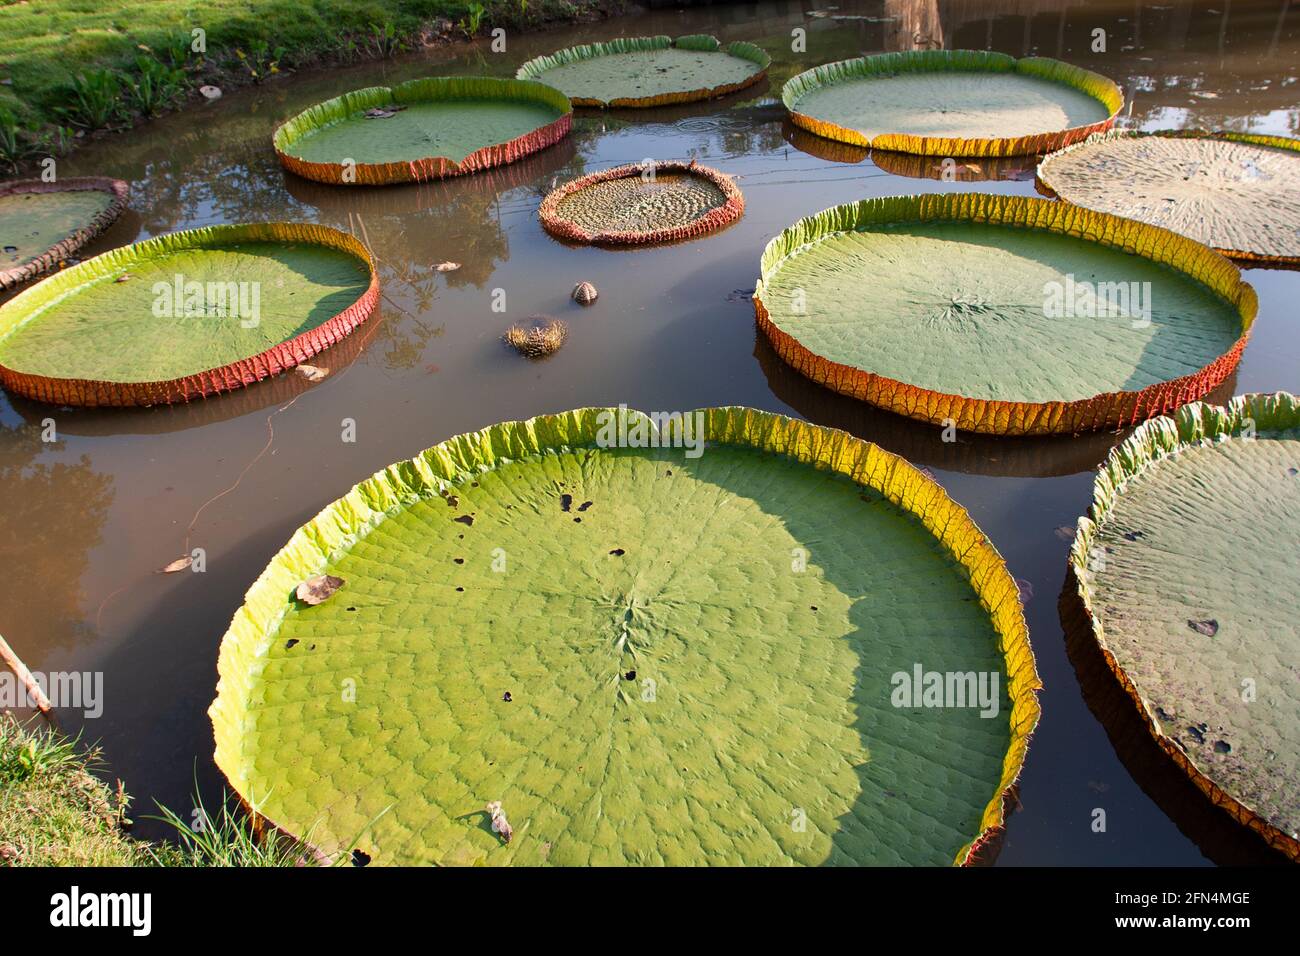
319	589
499	822
447	266
312	373
180	564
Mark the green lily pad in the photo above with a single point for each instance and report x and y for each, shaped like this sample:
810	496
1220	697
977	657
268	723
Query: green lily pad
185	314
43	223
1236	192
1000	313
952	102
644	656
422	129
649	71
1187	568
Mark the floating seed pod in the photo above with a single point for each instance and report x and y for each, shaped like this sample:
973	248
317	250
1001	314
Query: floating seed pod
584	293
541	335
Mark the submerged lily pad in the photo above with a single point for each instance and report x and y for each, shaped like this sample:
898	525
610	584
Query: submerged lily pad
953	102
422	129
41	224
642	203
1002	314
1236	192
646	655
186	314
1196	615
649	71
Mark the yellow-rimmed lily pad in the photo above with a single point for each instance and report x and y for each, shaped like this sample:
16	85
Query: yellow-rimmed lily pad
1187	567
647	645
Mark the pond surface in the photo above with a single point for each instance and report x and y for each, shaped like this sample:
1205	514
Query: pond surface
85	522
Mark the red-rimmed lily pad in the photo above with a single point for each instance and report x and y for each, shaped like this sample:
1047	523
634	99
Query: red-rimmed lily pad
186	314
42	224
1002	314
422	129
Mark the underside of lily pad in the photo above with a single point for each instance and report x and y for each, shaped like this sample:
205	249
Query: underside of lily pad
186	315
1238	193
42	224
422	129
1186	568
1002	314
646	640
953	103
642	203
649	71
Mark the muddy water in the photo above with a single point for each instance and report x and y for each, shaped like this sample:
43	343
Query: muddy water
85	522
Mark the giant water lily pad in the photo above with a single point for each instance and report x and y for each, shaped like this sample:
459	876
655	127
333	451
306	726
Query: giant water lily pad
186	314
644	654
42	224
1236	192
642	203
953	102
649	71
422	129
1187	567
1002	314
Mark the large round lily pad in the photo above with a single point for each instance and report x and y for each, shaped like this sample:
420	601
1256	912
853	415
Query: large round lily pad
1236	192
186	314
642	203
422	129
953	102
649	71
42	224
644	654
1187	567
1002	314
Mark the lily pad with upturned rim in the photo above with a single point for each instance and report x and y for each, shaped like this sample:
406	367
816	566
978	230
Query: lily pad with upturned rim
43	223
649	71
935	307
1238	193
504	584
106	332
446	126
1186	566
642	203
953	102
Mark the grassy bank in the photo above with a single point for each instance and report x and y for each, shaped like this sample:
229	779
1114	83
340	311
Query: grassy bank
70	68
54	811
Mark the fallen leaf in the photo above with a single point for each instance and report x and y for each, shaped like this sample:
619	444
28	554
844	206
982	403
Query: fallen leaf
1209	627
319	589
499	822
447	266
124	277
312	373
180	564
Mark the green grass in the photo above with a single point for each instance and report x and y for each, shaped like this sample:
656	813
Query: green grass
55	812
45	46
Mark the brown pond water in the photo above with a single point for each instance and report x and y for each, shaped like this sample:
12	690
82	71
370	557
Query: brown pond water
84	523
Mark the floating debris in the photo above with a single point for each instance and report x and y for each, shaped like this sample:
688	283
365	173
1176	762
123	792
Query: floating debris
319	589
446	267
499	822
539	336
312	373
210	92
180	564
584	293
